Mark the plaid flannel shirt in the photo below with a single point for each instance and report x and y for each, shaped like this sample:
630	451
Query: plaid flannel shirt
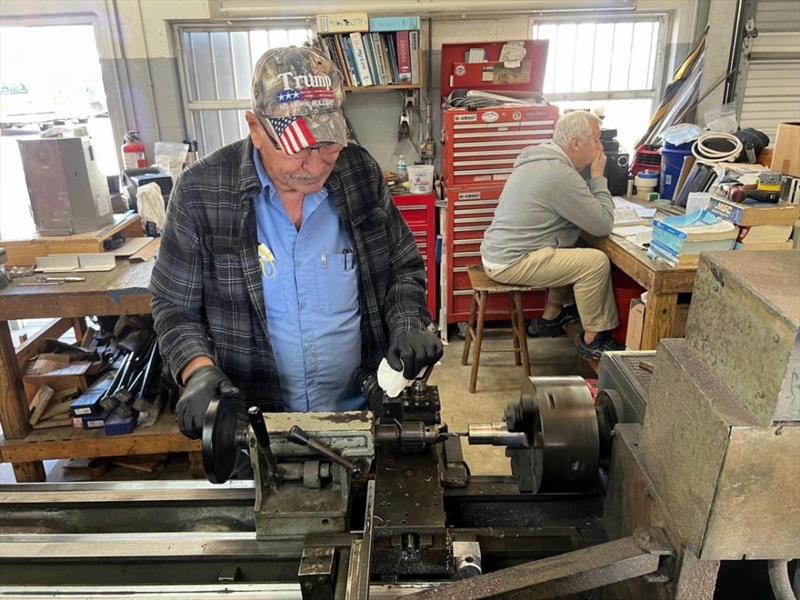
208	293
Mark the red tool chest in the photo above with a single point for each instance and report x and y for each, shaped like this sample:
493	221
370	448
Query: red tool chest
480	147
470	210
419	211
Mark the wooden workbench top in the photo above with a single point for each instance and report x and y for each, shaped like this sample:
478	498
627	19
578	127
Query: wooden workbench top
61	442
122	290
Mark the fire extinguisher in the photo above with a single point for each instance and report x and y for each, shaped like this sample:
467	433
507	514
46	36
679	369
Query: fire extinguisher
133	151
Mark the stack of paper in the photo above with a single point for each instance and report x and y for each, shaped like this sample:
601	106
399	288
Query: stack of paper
680	240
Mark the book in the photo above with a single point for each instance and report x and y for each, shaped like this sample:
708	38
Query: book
413	45
391	51
383	72
371	58
342	22
350	59
403	57
754	213
696	232
344	67
360	56
763	234
394	23
787	245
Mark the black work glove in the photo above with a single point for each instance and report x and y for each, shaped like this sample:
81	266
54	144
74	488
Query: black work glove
416	350
204	385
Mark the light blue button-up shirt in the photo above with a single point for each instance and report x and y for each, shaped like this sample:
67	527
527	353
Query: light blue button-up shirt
311	299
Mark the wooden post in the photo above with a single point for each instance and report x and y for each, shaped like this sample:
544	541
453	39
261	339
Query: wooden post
31	472
14	411
659	316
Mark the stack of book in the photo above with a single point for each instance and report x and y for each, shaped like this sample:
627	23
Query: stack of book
679	240
381	51
761	225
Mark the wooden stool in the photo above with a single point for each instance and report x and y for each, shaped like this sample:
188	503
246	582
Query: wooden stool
482	287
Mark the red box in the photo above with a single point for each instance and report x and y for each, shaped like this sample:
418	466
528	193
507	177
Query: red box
492	75
625	290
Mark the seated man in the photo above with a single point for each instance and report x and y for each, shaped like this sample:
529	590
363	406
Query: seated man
285	269
544	206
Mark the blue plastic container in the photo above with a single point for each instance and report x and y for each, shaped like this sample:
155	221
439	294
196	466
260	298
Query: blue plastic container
671	165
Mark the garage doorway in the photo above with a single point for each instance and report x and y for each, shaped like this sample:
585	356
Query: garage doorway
48	75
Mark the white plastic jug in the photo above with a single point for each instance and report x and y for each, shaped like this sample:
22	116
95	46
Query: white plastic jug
420	178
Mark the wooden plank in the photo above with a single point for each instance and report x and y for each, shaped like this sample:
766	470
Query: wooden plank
14	411
147	253
659	317
24	252
59	421
40	403
78	443
53	329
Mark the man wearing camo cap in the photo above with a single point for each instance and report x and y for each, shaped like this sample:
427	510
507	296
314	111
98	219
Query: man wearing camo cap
285	269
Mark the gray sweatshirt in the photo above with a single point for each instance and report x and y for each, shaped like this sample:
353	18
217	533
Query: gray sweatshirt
545	203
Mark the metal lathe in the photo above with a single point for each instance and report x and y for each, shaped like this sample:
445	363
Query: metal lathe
687	460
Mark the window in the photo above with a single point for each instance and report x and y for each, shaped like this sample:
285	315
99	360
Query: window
615	65
216	67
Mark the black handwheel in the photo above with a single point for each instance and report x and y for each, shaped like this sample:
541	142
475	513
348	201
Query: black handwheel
219	440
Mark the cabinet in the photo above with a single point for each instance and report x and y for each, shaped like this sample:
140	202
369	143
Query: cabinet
419	212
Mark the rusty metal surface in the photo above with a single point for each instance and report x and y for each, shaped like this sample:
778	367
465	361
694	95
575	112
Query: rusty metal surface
732	487
689	415
565	574
756	512
632	502
745	321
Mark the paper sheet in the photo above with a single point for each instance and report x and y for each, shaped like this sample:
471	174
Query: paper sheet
623	216
631	231
643	211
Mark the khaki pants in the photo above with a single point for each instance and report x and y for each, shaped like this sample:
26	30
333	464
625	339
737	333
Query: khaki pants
580	273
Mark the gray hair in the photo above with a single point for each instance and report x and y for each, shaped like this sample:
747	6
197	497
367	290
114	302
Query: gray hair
577	124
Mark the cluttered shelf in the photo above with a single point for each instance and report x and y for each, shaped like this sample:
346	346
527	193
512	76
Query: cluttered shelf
69	442
122	290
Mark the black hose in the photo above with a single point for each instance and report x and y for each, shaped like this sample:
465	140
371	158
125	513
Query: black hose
779	579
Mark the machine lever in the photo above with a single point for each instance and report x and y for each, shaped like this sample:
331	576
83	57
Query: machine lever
297	436
256	418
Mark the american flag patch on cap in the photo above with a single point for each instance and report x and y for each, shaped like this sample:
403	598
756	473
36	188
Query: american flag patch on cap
293	133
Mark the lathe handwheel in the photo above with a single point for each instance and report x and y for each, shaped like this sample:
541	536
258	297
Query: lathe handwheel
219	440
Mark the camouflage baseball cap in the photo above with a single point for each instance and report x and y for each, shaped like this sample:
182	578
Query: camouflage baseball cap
299	93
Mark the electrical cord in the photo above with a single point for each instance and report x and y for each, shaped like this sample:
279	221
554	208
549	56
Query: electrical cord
706	154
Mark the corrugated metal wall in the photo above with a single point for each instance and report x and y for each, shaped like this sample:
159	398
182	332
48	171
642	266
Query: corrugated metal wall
772	67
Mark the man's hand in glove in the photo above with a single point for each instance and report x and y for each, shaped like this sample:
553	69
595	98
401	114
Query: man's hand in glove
416	350
204	384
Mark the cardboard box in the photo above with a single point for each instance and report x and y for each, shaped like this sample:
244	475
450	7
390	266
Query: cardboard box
633	337
786	153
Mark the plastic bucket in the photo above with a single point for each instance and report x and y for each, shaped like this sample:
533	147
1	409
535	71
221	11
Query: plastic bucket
420	178
671	165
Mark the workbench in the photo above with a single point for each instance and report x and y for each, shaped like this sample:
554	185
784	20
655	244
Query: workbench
117	292
662	282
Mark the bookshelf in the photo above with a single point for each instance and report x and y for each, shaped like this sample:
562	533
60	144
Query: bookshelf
378	54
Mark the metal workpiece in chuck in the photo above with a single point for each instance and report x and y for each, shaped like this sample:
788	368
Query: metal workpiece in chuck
551	436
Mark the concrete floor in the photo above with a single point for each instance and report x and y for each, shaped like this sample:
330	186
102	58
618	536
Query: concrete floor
499	383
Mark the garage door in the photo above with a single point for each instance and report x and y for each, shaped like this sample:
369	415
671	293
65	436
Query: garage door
771	66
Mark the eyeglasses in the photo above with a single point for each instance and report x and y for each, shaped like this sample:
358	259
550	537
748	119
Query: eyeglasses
326	149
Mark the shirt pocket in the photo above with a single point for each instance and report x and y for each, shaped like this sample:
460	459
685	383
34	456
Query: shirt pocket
228	276
337	284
